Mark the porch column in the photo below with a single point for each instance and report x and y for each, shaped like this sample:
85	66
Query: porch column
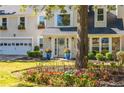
53	47
70	44
90	44
100	44
110	44
38	40
121	43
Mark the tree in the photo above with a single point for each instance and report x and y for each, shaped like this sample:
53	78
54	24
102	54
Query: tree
82	37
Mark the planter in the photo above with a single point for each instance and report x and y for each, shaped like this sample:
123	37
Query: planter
48	56
67	56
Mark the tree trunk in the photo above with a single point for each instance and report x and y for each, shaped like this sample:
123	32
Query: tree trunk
82	37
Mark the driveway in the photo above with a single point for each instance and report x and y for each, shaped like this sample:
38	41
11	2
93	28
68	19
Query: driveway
10	57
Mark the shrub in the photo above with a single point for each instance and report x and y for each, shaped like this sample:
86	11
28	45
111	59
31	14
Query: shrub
99	56
21	27
120	57
30	75
36	48
109	56
113	65
69	78
34	54
42	78
91	55
95	52
40	26
104	51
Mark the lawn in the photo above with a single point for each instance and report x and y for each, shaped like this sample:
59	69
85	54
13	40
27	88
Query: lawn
8	79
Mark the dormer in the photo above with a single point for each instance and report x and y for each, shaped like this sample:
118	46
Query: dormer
101	16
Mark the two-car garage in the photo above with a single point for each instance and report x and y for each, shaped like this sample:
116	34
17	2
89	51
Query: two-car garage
15	46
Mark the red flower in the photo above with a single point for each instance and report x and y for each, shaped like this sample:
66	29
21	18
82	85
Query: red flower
79	72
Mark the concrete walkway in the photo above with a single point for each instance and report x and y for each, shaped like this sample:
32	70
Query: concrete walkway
10	57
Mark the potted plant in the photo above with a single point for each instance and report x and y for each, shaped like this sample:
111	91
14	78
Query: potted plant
48	53
21	27
3	28
66	53
40	26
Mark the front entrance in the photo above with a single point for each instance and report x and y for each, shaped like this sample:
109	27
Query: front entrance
61	46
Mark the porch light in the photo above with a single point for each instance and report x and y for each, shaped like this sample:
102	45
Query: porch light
14	35
49	38
72	38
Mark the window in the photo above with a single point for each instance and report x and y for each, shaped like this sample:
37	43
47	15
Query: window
116	44
1	44
67	43
17	44
30	44
63	20
55	46
25	44
22	21
21	44
61	41
41	43
105	44
13	44
5	44
41	20
100	16
95	44
9	44
4	22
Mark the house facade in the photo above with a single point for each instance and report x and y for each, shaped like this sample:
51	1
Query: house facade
105	31
19	31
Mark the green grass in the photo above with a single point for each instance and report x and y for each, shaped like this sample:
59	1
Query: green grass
8	79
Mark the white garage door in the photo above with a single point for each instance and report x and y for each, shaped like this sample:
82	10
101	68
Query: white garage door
15	46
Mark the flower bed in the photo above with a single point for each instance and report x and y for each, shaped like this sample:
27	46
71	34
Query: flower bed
90	77
68	78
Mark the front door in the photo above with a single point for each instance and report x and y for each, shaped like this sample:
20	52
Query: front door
61	46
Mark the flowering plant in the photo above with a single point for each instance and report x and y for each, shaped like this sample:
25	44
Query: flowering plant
66	50
48	50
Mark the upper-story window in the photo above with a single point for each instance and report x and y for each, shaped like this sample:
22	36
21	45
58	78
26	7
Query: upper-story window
22	21
4	22
41	22
100	14
63	20
21	25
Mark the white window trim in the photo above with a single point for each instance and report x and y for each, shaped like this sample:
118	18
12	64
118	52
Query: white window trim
38	20
19	20
6	21
97	15
71	19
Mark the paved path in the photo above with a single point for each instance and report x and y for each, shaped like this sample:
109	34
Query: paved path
9	57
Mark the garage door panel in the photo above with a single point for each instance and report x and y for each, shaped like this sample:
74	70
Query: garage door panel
15	46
